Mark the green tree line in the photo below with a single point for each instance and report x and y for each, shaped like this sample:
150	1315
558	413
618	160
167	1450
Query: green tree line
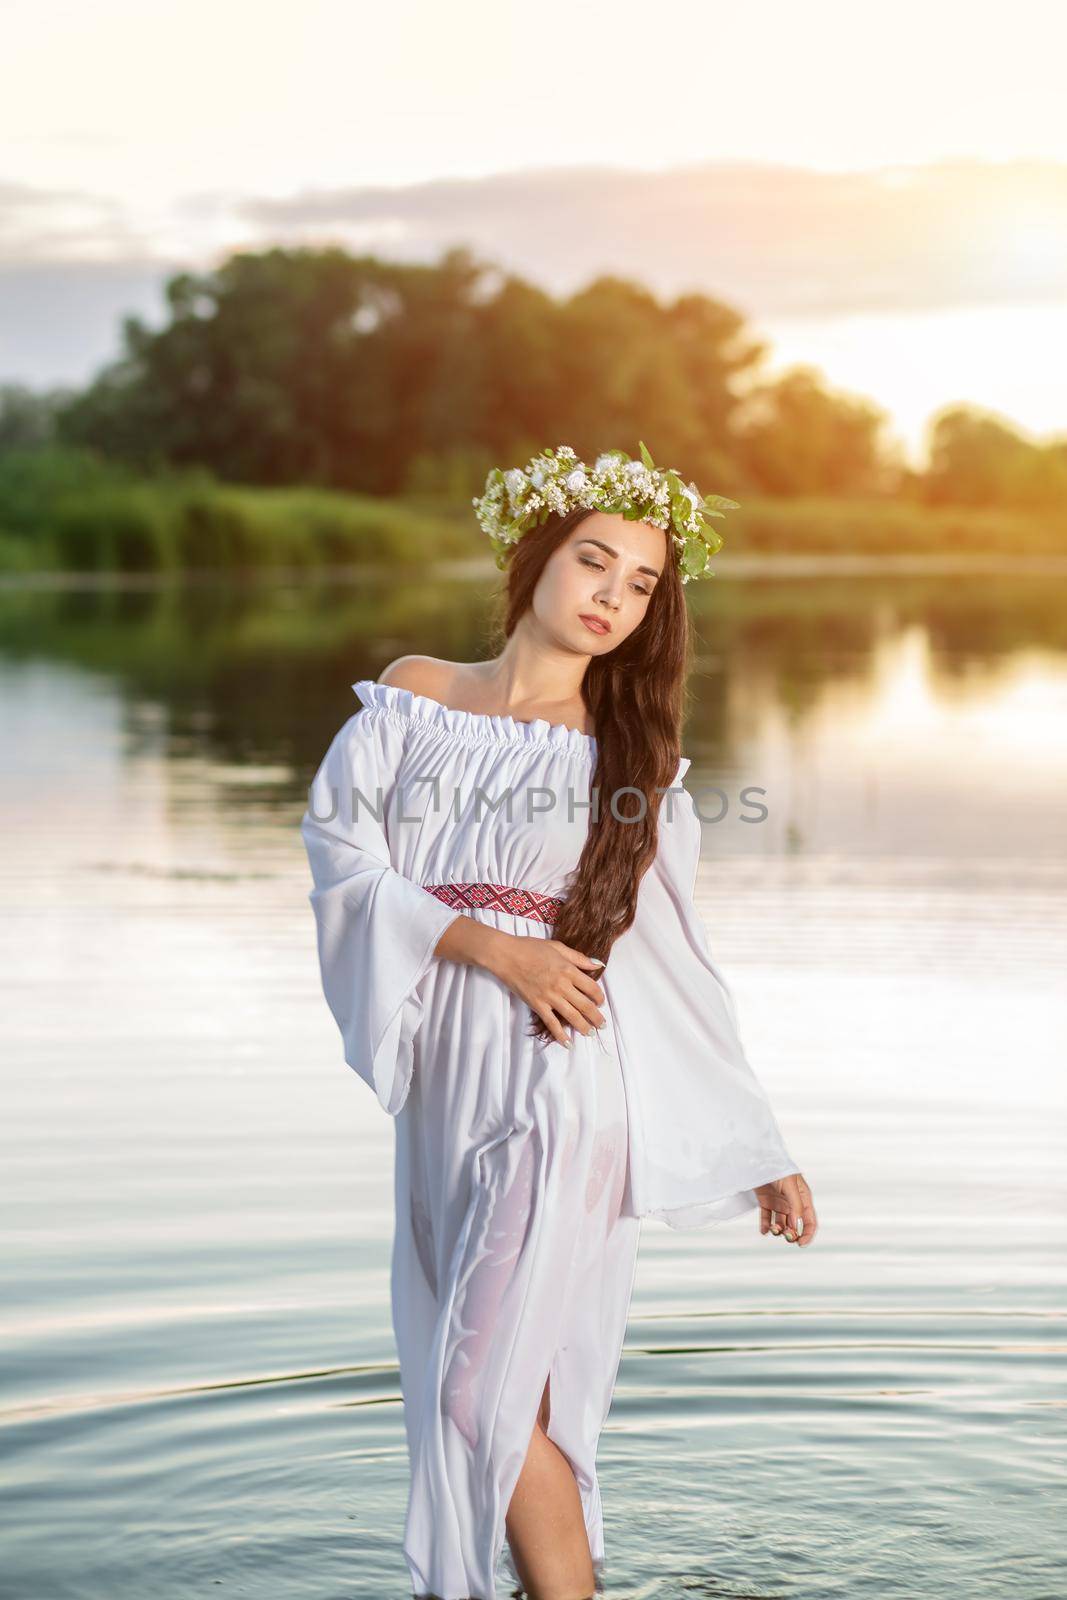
316	367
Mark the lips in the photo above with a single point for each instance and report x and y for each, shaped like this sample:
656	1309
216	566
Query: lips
595	624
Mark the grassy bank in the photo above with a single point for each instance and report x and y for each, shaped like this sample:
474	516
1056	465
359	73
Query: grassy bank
66	511
884	527
69	511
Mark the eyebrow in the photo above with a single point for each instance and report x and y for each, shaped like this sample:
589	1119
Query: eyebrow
607	548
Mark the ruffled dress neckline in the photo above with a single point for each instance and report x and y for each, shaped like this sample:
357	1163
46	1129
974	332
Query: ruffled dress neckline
476	727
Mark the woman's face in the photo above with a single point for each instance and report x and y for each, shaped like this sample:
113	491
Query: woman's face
604	571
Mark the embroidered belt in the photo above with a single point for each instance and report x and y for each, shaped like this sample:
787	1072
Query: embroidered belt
498	897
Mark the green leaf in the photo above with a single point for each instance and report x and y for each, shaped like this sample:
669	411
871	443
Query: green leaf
681	508
645	457
719	502
694	557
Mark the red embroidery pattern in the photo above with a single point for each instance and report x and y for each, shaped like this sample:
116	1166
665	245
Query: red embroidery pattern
498	897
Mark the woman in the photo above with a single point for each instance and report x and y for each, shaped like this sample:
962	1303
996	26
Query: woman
526	985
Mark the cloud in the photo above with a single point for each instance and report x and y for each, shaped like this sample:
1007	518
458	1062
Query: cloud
772	240
775	241
46	226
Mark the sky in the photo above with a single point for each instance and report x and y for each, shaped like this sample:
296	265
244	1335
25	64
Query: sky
881	190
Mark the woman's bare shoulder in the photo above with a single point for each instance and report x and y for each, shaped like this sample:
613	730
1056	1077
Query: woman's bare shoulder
426	675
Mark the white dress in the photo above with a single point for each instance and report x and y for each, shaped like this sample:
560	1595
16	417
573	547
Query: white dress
523	1169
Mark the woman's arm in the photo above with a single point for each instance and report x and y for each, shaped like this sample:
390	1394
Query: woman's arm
377	930
550	977
706	1144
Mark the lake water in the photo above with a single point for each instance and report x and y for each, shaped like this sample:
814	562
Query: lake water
200	1389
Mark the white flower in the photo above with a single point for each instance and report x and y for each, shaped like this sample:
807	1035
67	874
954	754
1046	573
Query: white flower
511	503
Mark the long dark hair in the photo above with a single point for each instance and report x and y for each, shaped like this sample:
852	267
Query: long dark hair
635	696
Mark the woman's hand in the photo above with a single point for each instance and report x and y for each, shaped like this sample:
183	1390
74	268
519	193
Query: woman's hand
785	1205
552	978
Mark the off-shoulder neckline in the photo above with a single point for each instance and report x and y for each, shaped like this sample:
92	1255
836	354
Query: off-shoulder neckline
473	724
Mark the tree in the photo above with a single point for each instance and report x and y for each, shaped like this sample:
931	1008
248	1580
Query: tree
798	439
976	459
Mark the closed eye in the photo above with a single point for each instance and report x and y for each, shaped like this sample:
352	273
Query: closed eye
598	566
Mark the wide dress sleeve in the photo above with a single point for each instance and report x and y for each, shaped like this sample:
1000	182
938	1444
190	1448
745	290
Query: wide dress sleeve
376	928
704	1134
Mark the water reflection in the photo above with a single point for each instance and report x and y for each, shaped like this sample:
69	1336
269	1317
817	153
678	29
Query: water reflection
197	1194
903	754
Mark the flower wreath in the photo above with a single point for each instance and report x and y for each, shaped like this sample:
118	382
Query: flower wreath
516	500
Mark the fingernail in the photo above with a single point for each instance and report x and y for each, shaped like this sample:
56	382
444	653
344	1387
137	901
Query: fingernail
790	1235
